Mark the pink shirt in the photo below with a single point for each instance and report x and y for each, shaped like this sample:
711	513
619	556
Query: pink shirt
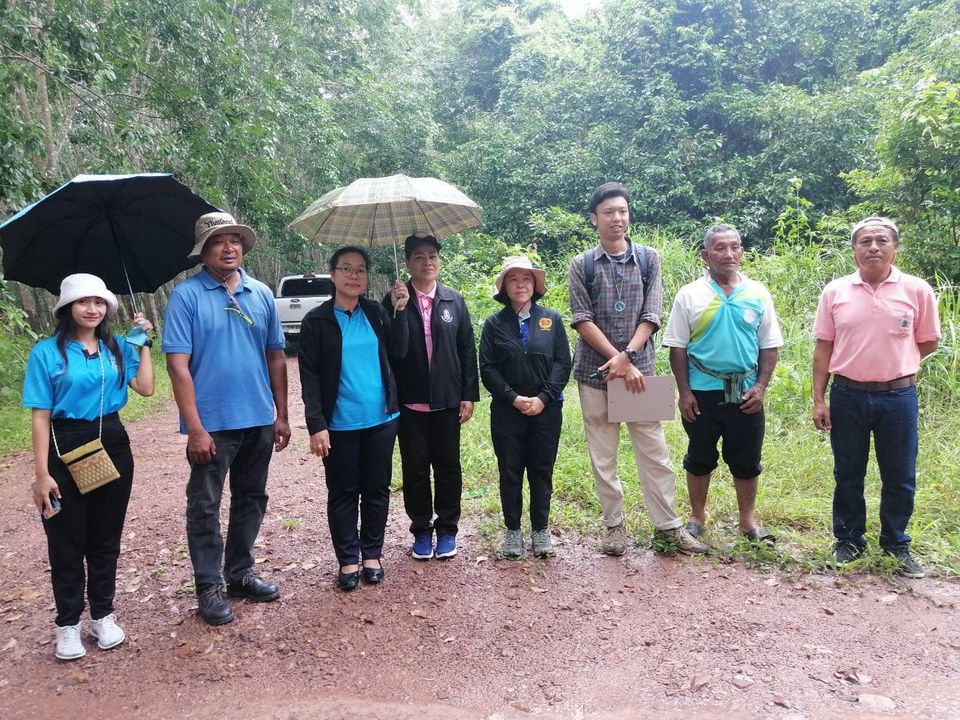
875	333
425	301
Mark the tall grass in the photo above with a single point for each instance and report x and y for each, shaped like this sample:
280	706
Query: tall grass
796	487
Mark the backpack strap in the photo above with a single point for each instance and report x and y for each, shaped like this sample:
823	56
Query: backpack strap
590	269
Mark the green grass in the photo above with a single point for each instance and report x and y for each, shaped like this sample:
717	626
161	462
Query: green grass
796	488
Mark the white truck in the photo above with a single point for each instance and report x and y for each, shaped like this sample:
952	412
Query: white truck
296	296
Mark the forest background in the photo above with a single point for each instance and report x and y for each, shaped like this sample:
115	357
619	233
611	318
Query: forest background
788	118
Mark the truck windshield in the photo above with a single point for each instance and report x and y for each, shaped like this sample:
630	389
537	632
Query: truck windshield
300	287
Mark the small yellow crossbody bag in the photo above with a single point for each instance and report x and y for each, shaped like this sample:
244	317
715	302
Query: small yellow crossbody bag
89	464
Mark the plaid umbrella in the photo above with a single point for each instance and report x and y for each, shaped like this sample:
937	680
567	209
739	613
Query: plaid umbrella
382	211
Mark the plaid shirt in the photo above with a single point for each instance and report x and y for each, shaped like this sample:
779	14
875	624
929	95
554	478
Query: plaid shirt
618	327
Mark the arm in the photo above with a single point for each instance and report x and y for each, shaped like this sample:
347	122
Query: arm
753	398
822	352
277	370
618	363
310	360
43	484
143	382
687	401
928	347
493	379
560	370
467	352
200	446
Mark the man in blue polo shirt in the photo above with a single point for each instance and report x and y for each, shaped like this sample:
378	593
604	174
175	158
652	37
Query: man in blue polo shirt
723	337
224	348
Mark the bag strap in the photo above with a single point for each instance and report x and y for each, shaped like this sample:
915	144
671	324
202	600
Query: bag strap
590	269
103	382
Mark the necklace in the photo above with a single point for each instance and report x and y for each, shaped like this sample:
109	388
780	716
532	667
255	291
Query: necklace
618	278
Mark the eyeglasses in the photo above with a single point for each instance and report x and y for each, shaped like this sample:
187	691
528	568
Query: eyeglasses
351	271
234	307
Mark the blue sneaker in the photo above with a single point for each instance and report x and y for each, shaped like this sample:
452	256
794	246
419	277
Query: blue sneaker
446	546
422	547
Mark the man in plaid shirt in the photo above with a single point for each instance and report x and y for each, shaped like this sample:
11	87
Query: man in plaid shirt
616	317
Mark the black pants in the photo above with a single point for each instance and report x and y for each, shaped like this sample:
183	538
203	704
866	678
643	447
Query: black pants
245	454
88	527
431	439
358	471
529	443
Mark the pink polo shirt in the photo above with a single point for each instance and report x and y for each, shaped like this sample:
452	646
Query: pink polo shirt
425	303
875	333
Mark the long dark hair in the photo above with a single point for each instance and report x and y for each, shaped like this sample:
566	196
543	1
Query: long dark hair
67	328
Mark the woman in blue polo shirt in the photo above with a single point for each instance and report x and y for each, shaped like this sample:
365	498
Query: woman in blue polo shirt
74	379
350	403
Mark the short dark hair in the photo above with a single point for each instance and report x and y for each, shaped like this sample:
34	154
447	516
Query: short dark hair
717	230
349	249
607	191
416	240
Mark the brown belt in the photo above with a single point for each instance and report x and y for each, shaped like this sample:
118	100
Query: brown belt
902	382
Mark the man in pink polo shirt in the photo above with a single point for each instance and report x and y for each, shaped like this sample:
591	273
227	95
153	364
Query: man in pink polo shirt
872	328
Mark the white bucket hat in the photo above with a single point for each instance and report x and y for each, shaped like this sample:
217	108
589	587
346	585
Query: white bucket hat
81	285
522	262
217	223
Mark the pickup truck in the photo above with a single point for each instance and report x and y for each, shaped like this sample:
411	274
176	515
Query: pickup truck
296	296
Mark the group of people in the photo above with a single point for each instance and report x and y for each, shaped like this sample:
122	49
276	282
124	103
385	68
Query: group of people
406	368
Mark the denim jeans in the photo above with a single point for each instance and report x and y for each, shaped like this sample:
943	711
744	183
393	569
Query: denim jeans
892	418
246	455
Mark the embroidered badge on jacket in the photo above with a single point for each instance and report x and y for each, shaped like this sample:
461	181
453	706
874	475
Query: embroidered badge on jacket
545	323
446	315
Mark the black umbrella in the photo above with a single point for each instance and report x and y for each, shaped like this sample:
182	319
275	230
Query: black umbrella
134	231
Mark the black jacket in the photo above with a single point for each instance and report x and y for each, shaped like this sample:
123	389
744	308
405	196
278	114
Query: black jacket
321	348
452	375
541	371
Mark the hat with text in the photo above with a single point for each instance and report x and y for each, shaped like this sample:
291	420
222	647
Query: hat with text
218	223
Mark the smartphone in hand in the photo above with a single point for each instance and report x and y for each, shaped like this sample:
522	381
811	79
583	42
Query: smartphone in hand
54	504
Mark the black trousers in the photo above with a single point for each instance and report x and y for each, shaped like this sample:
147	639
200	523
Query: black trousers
88	527
431	439
529	443
358	471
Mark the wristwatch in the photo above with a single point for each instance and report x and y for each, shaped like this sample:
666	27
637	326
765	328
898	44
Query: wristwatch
631	353
148	343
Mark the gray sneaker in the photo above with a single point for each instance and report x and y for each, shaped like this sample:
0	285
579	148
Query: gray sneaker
684	541
615	541
542	545
512	547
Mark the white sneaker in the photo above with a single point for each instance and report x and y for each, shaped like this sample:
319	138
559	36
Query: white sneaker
69	644
107	632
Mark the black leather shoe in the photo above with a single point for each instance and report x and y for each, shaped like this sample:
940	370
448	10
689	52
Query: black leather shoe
253	587
213	608
373	576
348	581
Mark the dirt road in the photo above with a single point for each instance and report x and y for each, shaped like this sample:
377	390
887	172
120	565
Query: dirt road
582	635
